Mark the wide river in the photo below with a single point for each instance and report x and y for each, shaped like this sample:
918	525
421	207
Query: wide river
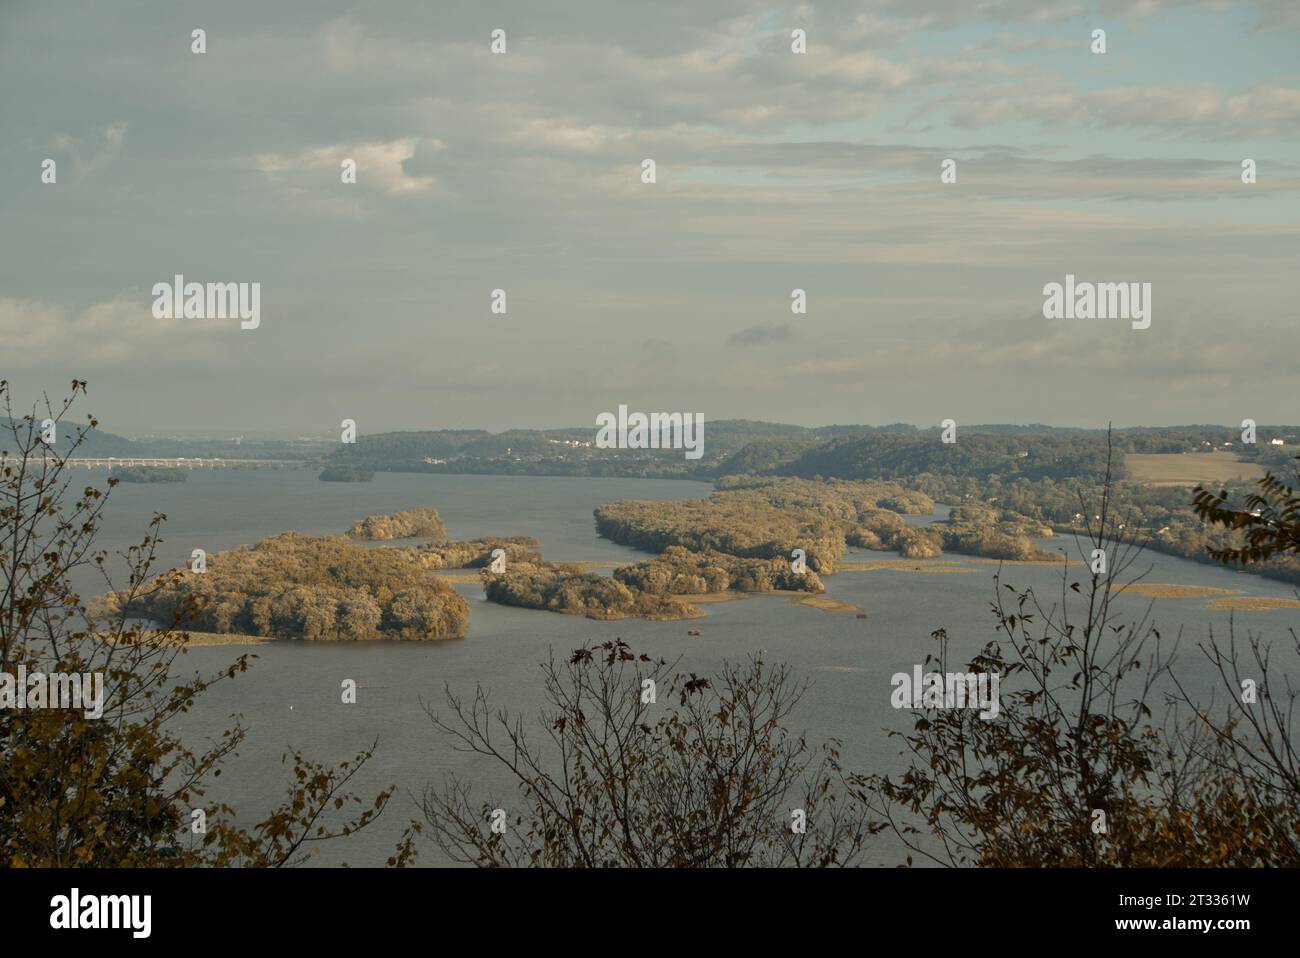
291	695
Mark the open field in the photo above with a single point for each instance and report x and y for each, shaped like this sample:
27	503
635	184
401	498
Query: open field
1189	468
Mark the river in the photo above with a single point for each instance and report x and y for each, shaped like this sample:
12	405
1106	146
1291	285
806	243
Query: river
291	695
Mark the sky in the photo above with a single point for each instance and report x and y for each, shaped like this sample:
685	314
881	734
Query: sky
775	171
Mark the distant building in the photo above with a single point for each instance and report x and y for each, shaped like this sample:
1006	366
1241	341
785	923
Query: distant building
1277	442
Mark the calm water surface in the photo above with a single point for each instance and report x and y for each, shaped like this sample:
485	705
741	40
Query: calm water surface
291	696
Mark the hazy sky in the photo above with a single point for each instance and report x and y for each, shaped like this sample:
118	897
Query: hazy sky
775	171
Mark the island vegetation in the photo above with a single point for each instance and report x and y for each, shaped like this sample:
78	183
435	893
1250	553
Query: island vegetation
770	518
759	518
678	571
1162	519
648	590
568	588
302	587
408	524
1043	476
476	553
981	530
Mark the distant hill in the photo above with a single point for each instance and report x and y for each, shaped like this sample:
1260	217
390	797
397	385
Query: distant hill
565	451
732	447
975	454
98	444
743	446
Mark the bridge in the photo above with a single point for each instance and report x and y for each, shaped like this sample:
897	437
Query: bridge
178	463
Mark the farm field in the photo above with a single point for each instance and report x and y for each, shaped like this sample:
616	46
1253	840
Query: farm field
1189	468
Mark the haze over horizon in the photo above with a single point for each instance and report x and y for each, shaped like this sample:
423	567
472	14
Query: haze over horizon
775	171
285	434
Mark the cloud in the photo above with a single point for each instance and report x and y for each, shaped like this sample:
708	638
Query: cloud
756	335
119	334
1262	110
818	171
382	163
1172	353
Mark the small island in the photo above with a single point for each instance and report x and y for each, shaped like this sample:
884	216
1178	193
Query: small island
409	524
681	572
346	474
568	588
746	538
477	553
769	518
303	587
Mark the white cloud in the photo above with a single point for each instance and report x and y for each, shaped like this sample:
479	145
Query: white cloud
117	333
381	163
